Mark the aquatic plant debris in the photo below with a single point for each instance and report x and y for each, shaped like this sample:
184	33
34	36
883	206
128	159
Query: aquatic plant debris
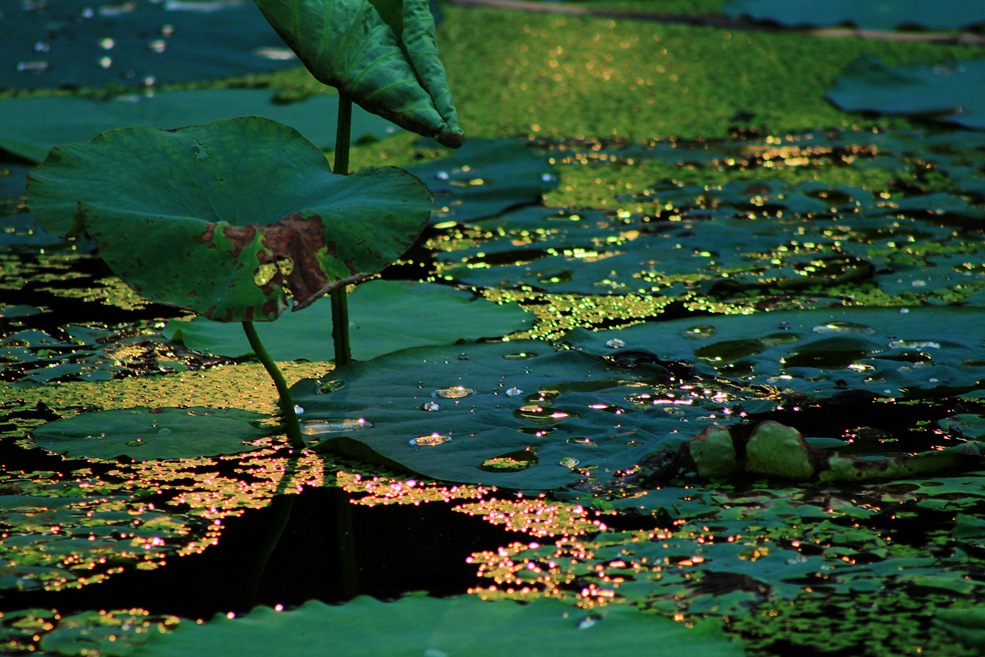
294	232
70	532
94	44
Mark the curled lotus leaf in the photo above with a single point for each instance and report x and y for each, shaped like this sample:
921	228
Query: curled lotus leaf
235	219
381	53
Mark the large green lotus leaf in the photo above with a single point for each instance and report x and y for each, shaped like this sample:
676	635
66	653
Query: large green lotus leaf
416	626
160	433
952	92
893	352
485	178
232	219
870	15
509	414
389	67
33	125
68	533
384	316
99	43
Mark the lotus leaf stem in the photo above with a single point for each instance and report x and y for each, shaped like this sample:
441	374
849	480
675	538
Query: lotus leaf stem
286	401
340	303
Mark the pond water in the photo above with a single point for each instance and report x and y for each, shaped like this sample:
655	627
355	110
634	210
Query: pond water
819	281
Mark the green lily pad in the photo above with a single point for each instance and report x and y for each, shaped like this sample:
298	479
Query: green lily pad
509	414
893	352
949	92
160	433
87	43
382	55
418	626
485	178
80	119
872	15
384	316
251	214
725	242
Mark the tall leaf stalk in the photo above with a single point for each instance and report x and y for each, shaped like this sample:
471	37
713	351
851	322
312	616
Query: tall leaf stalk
340	302
291	421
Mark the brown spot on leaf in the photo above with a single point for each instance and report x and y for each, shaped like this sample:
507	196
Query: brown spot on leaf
292	244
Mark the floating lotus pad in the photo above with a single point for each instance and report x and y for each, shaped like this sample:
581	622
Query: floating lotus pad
252	216
485	178
381	55
384	316
26	133
872	15
417	626
514	414
97	43
160	433
950	92
893	352
748	236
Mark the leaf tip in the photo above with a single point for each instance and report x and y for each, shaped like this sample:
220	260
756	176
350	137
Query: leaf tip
452	138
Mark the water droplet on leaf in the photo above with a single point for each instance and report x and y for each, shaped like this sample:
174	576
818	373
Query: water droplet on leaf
700	332
839	328
454	392
430	440
334	425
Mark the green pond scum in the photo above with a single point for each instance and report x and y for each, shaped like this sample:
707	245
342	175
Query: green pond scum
688	353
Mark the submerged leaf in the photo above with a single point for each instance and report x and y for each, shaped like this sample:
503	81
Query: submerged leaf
232	219
144	434
382	55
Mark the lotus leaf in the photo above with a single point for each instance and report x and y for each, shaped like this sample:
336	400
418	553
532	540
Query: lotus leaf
950	92
418	626
152	433
484	178
97	43
384	316
231	219
80	118
510	414
872	15
799	240
382	55
892	352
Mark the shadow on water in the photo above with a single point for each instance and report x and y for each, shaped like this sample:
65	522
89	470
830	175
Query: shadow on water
397	549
